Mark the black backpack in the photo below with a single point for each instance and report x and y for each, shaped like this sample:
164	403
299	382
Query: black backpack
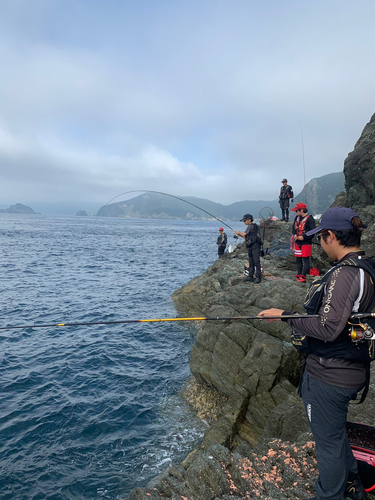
358	345
253	237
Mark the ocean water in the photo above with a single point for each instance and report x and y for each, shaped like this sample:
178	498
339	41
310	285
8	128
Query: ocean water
90	412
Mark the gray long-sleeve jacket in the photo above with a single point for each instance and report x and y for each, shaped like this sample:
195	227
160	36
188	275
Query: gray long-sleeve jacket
348	289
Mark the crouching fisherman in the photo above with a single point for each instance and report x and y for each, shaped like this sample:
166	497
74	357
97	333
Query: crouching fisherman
336	368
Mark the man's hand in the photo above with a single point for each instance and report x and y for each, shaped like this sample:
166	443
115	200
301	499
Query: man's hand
271	312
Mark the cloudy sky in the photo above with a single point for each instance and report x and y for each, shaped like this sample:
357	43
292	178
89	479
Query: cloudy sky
205	98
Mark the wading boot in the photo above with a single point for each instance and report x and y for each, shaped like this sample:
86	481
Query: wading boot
301	278
354	487
257	280
248	278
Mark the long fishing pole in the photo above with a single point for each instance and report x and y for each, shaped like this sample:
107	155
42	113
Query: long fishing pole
156	320
303	159
165	194
159	320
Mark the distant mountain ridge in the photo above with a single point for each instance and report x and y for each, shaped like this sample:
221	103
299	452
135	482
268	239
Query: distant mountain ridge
321	192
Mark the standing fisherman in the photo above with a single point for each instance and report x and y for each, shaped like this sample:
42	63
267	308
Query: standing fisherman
303	223
336	369
221	242
286	194
254	244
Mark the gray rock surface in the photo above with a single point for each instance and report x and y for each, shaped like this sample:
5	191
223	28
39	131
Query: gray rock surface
359	170
253	366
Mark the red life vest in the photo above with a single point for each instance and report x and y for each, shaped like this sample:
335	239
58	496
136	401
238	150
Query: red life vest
299	225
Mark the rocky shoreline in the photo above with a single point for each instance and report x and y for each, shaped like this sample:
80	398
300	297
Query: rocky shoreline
244	379
245	373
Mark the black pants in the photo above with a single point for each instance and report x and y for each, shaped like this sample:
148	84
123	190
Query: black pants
254	261
284	205
326	408
221	250
303	265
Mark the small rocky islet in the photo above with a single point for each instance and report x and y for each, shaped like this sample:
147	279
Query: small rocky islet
245	372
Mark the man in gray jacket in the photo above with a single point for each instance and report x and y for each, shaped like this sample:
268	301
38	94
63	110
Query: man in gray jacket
335	369
221	242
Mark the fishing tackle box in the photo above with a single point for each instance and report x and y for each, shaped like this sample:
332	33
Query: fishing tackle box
362	442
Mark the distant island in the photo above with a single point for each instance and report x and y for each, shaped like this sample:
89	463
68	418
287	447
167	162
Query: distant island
82	213
318	195
18	208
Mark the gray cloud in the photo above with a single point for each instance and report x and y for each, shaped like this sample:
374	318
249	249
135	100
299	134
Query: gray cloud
205	99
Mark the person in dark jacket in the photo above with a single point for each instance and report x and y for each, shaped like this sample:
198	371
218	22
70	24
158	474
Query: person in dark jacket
221	242
254	245
333	376
303	223
286	195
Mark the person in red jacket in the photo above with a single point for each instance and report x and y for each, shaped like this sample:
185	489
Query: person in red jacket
303	223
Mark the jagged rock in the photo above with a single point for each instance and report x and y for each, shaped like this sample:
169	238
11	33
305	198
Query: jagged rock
275	470
359	170
250	361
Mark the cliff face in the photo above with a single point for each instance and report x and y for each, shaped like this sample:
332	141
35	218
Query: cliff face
252	362
321	192
359	170
247	452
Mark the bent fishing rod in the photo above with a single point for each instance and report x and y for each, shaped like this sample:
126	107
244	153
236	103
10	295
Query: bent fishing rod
160	320
171	196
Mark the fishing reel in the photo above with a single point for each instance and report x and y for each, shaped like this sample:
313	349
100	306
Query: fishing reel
360	332
235	237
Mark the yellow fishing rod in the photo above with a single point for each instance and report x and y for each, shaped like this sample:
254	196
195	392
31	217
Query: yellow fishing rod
198	318
157	320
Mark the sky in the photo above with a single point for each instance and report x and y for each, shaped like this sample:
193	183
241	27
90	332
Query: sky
218	99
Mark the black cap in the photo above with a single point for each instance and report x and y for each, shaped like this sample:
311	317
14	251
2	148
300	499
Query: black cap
245	217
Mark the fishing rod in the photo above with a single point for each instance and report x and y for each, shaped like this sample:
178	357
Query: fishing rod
159	320
166	194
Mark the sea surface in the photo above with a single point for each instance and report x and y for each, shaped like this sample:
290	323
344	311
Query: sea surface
90	412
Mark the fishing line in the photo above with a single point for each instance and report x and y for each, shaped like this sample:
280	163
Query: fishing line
165	194
159	320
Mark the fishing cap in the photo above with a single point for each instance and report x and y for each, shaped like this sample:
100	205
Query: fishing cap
246	216
221	229
335	219
284	180
299	206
